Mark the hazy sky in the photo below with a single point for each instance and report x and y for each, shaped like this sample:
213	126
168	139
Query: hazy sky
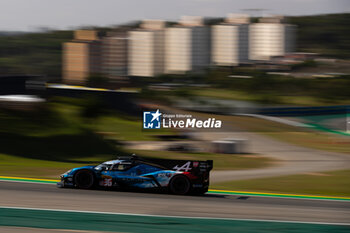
32	14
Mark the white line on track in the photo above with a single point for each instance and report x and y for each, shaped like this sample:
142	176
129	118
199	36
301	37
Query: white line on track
171	216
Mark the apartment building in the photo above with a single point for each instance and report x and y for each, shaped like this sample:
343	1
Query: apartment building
187	46
271	37
115	54
146	49
81	57
230	41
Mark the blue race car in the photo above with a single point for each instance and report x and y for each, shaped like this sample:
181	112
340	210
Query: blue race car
176	176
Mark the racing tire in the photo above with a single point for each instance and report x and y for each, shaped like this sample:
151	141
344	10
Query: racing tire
84	179
180	185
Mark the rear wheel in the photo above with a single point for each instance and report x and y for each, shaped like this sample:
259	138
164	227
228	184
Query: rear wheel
84	179
180	185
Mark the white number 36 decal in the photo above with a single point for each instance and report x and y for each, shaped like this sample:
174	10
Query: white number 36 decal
107	182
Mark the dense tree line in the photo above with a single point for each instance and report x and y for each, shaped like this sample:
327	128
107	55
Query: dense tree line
325	34
33	53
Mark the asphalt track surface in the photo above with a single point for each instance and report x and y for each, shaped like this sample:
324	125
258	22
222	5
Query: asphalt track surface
48	196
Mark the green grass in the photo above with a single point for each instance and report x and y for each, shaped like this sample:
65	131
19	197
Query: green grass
115	127
55	138
34	168
64	148
221	161
111	125
57	131
48	120
37	168
301	100
336	183
47	141
224	94
50	133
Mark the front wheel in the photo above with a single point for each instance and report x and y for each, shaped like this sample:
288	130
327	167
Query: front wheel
84	179
180	185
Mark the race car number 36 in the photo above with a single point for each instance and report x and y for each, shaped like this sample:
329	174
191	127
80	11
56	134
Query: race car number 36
107	182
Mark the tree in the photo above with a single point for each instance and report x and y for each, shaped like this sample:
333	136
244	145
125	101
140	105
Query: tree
92	108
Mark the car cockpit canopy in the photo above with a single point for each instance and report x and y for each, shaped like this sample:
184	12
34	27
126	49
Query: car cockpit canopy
115	165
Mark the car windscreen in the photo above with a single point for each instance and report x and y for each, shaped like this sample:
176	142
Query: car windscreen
122	167
104	166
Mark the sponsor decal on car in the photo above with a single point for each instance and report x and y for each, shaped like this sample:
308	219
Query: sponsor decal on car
134	180
165	174
186	167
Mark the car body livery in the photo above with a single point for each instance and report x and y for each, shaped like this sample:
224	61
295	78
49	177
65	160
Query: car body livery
176	176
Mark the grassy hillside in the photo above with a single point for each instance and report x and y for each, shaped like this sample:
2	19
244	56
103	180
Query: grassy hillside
335	183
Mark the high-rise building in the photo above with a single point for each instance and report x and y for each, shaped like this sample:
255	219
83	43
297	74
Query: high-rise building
146	49
81	57
187	46
230	41
271	37
115	54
